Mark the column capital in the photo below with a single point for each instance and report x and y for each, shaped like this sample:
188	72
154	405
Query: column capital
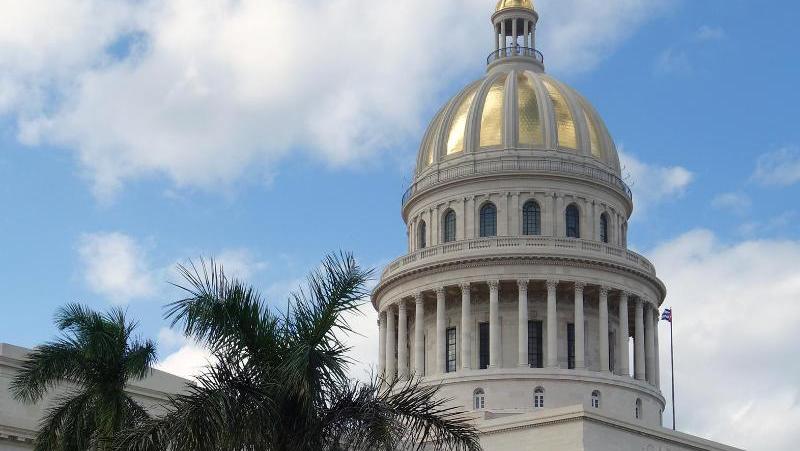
440	291
465	286
523	284
552	284
401	305
493	284
604	291
579	286
624	295
419	298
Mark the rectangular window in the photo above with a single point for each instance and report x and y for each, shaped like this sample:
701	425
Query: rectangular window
571	346
451	350
483	345
535	357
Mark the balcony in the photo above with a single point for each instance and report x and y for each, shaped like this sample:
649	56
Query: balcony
526	246
496	166
509	52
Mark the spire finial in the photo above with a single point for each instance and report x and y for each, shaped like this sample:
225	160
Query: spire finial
505	4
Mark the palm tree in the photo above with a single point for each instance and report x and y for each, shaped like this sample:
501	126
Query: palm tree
92	361
279	381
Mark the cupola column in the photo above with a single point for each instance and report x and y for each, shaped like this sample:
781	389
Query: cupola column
624	336
494	324
466	327
382	344
441	331
522	346
527	34
419	335
402	340
580	357
516	36
603	307
552	325
638	341
391	344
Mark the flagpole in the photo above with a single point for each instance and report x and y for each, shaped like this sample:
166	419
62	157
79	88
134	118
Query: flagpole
672	365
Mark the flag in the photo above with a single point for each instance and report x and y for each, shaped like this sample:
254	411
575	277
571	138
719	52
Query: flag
667	315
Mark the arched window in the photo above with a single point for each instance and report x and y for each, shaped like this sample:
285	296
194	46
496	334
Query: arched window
638	411
479	399
449	226
596	399
538	398
531	218
421	235
488	220
604	228
573	221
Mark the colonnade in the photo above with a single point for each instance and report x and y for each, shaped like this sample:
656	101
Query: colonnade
394	360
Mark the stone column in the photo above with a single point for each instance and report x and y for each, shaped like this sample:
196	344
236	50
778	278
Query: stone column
552	325
558	217
624	336
402	340
657	356
382	344
391	343
603	304
527	34
522	346
494	324
419	336
649	347
466	327
503	43
548	216
515	214
580	357
638	342
514	32
441	331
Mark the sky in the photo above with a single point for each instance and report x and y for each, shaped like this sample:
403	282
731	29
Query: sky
135	135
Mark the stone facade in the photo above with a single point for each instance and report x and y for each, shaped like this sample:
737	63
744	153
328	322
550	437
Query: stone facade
19	422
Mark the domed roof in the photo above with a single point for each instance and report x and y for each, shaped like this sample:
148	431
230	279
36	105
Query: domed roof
517	112
504	4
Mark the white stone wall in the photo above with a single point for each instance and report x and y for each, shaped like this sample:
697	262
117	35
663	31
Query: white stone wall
19	422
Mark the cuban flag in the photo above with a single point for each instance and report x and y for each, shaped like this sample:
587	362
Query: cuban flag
667	315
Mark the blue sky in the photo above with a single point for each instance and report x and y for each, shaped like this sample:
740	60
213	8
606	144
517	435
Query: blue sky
133	138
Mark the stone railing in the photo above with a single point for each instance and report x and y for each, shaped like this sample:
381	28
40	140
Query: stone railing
525	245
495	166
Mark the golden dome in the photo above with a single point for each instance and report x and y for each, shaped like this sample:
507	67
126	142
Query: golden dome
505	4
518	112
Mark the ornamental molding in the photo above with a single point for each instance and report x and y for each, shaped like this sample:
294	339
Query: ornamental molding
481	262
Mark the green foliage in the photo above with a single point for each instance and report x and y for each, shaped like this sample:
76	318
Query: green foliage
279	381
95	357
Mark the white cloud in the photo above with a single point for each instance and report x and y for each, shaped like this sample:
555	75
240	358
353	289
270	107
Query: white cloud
240	264
188	360
222	89
673	61
652	184
780	168
710	33
735	316
736	202
115	266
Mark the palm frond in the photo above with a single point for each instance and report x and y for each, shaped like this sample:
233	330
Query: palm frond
46	367
397	415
